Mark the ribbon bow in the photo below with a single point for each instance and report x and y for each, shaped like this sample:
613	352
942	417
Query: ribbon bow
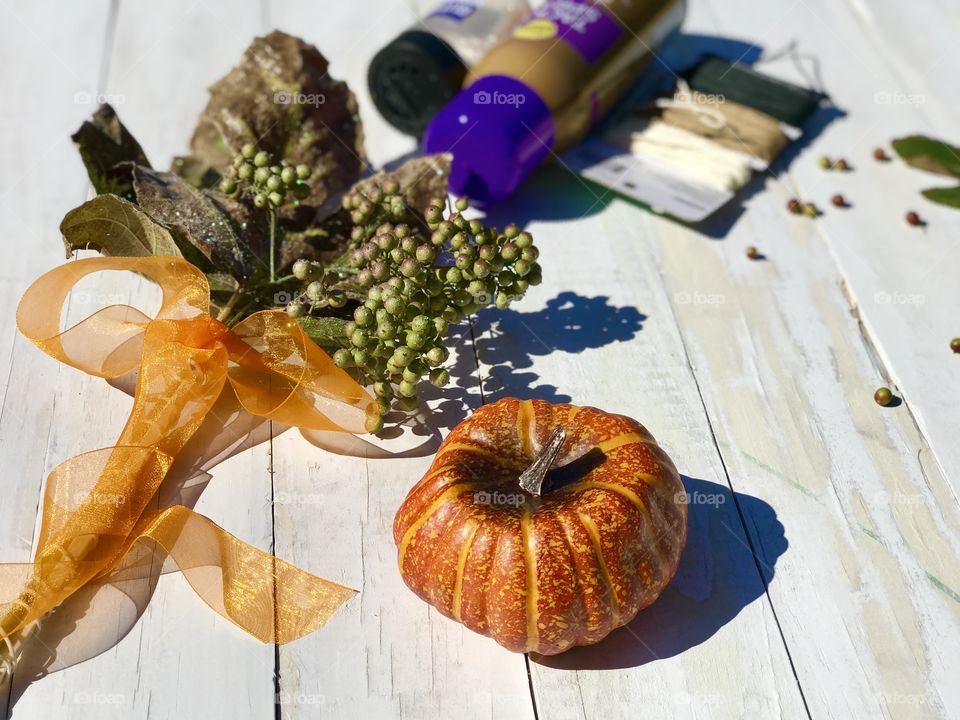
100	507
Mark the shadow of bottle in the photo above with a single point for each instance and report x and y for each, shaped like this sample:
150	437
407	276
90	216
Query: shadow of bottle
719	575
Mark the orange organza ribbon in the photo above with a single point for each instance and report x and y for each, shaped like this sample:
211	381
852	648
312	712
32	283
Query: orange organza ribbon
103	521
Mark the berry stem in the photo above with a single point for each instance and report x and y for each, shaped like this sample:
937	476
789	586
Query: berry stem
273	245
226	309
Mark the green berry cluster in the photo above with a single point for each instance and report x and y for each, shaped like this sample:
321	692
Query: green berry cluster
269	182
407	278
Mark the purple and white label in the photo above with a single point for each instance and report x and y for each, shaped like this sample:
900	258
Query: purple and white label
583	24
457	10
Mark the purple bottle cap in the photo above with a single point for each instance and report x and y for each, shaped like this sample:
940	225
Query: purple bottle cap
498	130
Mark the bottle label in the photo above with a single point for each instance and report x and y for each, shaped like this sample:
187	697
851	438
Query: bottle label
456	10
583	25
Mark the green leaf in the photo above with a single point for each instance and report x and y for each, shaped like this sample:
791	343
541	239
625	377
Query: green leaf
197	222
108	151
281	97
944	196
222	283
114	226
929	154
324	330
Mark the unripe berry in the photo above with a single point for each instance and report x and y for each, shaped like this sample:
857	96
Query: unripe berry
248	150
524	240
421	324
274	182
360	356
409	268
262	175
360	338
315	291
407	389
245	172
303	172
343	358
530	254
386	330
439	377
301	269
402	356
394	305
276	199
363	316
295	309
437	355
510	252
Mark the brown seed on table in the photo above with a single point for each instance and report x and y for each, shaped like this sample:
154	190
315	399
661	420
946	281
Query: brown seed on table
838	200
824	162
883	396
794	206
810	210
752	252
880	154
913	218
955	345
842	165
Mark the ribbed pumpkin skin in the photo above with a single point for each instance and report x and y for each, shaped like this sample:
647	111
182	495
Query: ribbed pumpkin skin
551	572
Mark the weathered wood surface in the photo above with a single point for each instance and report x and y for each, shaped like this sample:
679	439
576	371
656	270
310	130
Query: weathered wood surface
821	578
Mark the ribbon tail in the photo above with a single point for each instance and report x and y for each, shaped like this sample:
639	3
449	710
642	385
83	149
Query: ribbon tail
270	599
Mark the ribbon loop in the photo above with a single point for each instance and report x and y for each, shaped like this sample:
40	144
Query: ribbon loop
99	506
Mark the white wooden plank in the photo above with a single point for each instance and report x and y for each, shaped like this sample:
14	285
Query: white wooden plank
163	58
38	178
386	654
600	332
865	593
888	66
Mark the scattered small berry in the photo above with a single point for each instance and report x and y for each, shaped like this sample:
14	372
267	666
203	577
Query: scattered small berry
794	206
842	165
753	253
880	155
838	200
824	162
883	396
913	218
810	210
955	345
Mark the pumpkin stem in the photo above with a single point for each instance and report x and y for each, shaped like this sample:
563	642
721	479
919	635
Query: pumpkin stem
532	478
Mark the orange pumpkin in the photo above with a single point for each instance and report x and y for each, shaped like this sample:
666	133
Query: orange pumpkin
563	562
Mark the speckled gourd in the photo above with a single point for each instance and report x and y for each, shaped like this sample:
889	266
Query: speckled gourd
543	573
